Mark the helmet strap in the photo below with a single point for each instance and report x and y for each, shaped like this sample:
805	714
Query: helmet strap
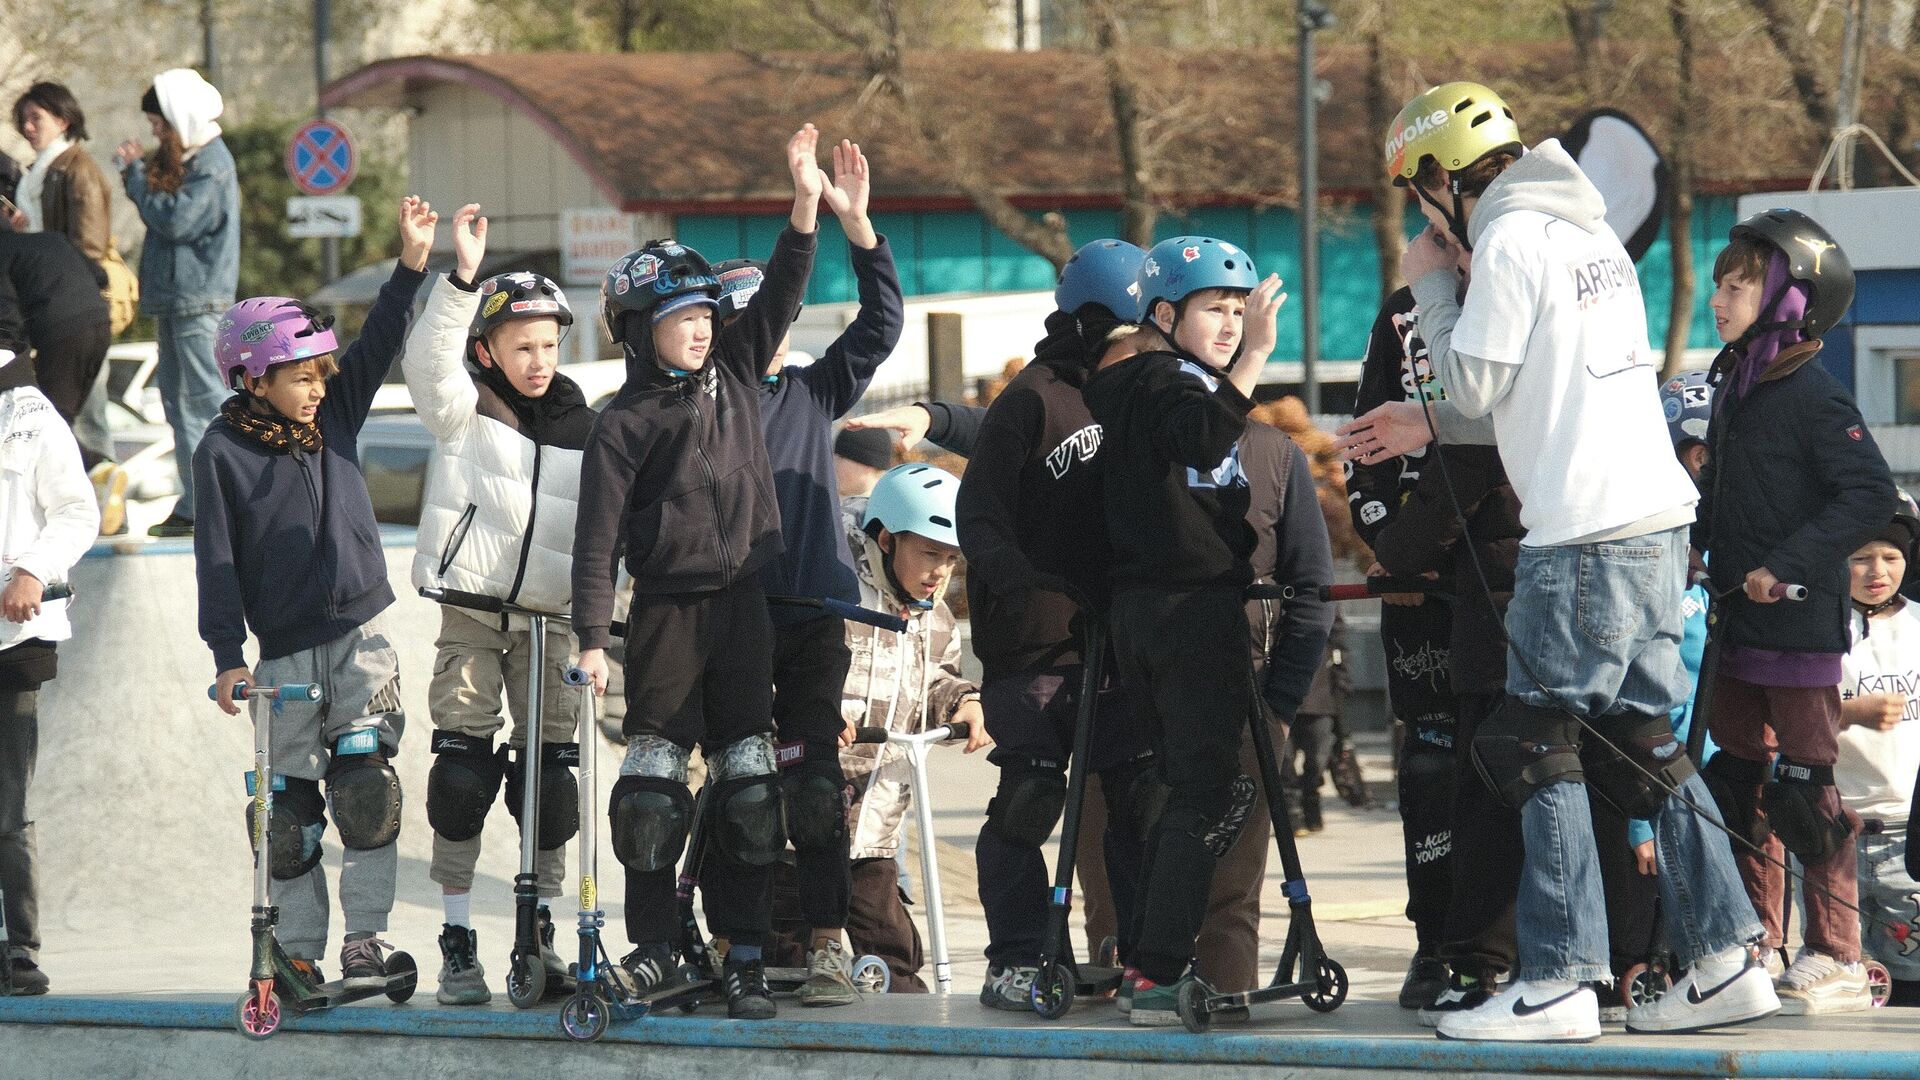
1456	218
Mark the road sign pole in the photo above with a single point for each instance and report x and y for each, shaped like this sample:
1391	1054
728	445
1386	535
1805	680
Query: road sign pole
322	39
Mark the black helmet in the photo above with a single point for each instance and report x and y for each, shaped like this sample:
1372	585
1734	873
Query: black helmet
1812	257
739	279
659	277
518	295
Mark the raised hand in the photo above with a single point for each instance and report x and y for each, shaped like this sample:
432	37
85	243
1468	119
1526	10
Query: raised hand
1263	309
469	241
808	180
848	194
418	223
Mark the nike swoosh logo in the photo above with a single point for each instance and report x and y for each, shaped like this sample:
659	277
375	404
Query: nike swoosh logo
1695	997
1522	1008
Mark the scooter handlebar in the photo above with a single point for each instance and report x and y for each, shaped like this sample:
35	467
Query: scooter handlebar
867	736
1378	586
283	692
492	605
851	612
58	590
956	731
1788	592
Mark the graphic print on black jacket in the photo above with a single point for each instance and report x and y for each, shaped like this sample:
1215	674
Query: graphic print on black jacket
676	469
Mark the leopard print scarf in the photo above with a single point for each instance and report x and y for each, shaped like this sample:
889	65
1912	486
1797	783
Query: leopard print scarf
274	430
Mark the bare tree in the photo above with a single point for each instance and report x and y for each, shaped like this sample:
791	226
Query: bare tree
1680	191
1586	25
1389	198
1138	211
1781	21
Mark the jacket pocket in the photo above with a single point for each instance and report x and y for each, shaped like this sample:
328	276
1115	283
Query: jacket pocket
674	537
456	537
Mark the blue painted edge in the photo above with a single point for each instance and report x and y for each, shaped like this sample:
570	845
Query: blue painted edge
1174	1047
391	536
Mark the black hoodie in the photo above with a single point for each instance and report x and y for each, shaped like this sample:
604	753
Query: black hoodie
675	472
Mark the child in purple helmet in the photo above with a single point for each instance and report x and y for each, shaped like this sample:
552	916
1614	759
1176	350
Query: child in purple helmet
288	548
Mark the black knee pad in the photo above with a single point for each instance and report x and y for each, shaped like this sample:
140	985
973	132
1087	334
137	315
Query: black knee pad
559	792
1028	803
462	784
1642	744
816	806
1521	748
294	826
1734	783
1136	797
363	792
749	819
1794	805
651	815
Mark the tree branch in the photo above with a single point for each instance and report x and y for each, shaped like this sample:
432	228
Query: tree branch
1786	35
1138	212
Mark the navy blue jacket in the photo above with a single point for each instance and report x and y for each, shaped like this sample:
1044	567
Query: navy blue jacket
285	544
797	413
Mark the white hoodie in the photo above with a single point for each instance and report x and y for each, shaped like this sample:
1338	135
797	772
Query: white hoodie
48	517
191	104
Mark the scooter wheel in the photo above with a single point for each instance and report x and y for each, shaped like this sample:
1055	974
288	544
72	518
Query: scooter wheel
1643	985
402	977
1108	955
526	979
584	1017
1191	1005
871	975
1879	982
1053	989
1332	988
253	1021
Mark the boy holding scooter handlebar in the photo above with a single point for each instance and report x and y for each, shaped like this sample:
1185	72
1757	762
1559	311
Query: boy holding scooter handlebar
54	521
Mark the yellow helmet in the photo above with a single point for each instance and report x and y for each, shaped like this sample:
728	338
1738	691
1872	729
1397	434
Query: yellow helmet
1455	124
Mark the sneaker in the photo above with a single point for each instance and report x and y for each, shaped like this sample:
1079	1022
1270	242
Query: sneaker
363	963
829	979
462	980
1123	997
1773	962
27	980
1463	992
648	968
110	491
1817	984
1529	1011
1426	980
1613	1009
1727	988
747	995
1009	988
175	525
559	972
1155	1005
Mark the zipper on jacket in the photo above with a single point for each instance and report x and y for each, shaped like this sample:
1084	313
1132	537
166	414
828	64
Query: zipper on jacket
456	539
319	515
713	489
526	536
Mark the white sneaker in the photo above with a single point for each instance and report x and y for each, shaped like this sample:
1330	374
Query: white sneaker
1529	1011
1817	984
1727	988
1776	967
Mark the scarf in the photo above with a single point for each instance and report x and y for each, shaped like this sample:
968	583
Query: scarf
35	180
1782	300
559	417
274	431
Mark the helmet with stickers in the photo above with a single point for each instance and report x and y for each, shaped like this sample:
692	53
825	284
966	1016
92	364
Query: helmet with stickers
1812	257
915	498
258	333
1456	124
1104	272
521	294
1177	268
1687	402
661	277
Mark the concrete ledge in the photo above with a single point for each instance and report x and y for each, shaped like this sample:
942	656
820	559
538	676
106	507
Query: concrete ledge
1374	1037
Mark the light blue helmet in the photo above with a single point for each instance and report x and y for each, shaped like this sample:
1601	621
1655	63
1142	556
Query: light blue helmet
915	498
1104	272
1183	265
1687	402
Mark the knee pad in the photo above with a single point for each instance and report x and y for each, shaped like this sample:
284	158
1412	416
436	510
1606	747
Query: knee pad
559	792
1734	784
1136	797
749	814
363	792
651	755
462	784
651	816
1796	805
1028	803
1642	745
816	807
294	826
1522	748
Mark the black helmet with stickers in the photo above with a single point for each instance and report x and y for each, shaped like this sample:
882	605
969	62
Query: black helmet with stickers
521	294
662	276
1813	257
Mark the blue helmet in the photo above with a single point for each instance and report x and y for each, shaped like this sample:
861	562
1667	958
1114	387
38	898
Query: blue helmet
1104	272
1687	401
1179	267
915	498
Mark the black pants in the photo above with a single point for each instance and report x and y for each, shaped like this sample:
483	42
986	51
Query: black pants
700	672
1426	783
1188	656
1303	763
1031	718
65	367
810	661
19	746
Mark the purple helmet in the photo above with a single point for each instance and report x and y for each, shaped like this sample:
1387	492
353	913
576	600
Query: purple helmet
256	334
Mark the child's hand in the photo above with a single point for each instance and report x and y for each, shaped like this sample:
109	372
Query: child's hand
1263	311
127	153
1388	430
1878	712
971	714
21	600
1644	859
909	423
418	222
1759	586
594	663
223	688
469	241
1400	599
847	195
808	180
1434	249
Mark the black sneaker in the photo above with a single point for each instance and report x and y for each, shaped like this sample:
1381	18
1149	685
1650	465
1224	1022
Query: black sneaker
559	974
1426	981
747	995
175	525
363	962
27	978
1463	992
646	969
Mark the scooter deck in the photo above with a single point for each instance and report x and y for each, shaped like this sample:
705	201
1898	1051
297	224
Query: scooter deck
1096	981
302	998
